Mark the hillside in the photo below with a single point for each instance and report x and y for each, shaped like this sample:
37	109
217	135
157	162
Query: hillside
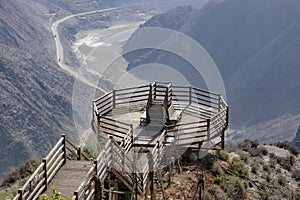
248	170
255	44
35	93
296	140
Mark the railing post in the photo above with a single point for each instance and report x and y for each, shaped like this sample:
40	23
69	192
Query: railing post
78	153
154	84
111	150
219	103
20	192
190	95
170	94
150	94
64	148
227	116
158	150
223	140
132	142
151	174
208	129
114	98
123	157
76	195
45	173
96	166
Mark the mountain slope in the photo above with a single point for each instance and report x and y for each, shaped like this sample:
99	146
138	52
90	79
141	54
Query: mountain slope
255	44
35	94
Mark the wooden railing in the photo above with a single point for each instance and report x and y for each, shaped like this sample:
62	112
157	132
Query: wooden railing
114	128
131	96
161	91
104	104
39	180
112	156
188	133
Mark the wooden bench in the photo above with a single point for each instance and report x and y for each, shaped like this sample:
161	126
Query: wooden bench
174	115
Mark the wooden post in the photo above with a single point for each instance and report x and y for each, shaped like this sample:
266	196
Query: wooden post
154	84
123	156
158	150
151	174
111	145
201	188
114	98
150	94
227	116
20	192
200	145
208	129
170	93
64	148
190	95
45	173
78	153
132	138
96	166
76	195
223	139
219	103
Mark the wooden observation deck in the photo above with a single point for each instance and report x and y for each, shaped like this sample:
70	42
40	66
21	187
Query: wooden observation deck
145	127
183	115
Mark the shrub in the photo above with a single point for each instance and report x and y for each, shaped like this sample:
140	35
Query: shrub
231	148
235	188
260	151
217	193
248	144
20	172
293	150
286	163
244	156
217	169
267	177
296	174
281	180
264	193
208	196
266	168
223	155
220	180
273	163
220	177
254	168
56	195
264	151
272	156
239	167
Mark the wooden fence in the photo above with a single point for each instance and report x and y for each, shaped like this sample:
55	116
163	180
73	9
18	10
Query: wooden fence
57	157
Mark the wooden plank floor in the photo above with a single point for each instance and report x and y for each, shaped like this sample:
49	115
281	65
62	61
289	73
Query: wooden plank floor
69	177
